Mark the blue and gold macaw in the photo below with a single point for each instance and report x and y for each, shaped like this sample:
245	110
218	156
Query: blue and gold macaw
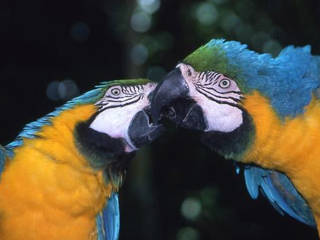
261	111
60	177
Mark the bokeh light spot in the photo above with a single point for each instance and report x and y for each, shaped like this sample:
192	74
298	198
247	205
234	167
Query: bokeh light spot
229	22
188	233
68	89
140	21
139	54
63	90
271	46
219	1
206	13
149	6
52	91
191	208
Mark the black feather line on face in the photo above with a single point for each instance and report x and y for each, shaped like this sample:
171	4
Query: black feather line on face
233	144
104	107
207	93
102	151
236	92
219	101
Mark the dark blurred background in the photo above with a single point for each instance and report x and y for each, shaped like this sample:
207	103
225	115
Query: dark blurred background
51	51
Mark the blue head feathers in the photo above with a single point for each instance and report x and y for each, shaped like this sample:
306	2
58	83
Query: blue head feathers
287	80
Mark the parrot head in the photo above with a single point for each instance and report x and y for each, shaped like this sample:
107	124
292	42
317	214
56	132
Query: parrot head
205	101
224	90
120	124
104	126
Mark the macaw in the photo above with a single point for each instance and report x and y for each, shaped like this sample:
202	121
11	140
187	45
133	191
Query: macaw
60	177
260	111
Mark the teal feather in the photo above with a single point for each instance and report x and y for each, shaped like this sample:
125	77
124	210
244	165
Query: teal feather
280	191
3	157
108	221
31	129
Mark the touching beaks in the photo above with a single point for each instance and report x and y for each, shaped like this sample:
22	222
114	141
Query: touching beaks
171	100
142	130
166	93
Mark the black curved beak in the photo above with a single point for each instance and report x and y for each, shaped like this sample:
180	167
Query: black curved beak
142	130
171	100
166	93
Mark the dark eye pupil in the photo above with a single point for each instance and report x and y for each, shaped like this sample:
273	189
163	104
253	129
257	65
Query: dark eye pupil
115	92
224	83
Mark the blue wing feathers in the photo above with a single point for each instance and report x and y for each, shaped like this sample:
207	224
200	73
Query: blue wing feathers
108	221
280	192
112	218
251	185
3	157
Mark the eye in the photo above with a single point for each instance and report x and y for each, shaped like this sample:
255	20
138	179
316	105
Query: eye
115	91
225	83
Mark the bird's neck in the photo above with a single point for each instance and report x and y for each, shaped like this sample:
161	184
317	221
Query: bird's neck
103	152
290	146
57	138
231	145
61	193
287	145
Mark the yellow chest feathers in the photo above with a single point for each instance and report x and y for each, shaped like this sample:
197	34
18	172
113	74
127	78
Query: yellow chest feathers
290	146
48	190
287	145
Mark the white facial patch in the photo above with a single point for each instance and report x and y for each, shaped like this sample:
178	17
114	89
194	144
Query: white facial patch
118	110
217	95
220	117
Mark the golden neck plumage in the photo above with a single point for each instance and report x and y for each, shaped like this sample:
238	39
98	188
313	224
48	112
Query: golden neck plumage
287	145
48	188
290	146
